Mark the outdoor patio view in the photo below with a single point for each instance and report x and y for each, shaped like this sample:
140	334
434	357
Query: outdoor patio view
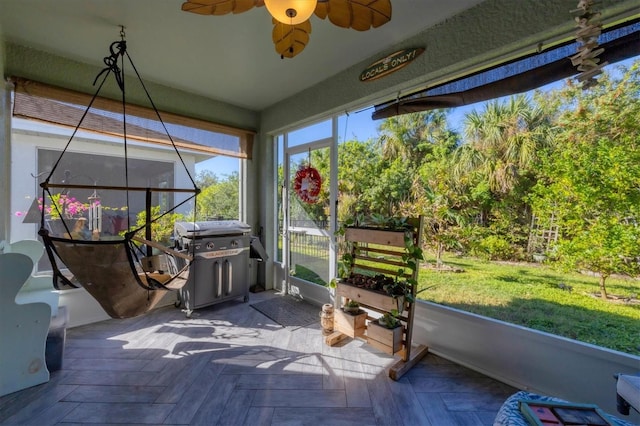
531	205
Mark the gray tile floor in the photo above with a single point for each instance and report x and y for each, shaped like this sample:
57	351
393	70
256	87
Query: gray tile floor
231	365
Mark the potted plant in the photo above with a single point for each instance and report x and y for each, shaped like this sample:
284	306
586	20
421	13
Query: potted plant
386	332
351	307
389	319
351	320
375	283
366	290
401	291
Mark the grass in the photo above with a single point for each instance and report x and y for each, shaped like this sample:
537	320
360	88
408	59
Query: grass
307	274
541	298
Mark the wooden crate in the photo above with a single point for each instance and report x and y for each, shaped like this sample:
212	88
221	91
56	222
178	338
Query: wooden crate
366	297
388	340
352	325
375	236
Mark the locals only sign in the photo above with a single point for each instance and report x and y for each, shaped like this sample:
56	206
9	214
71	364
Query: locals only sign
391	63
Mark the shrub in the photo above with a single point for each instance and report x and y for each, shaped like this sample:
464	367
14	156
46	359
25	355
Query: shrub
494	247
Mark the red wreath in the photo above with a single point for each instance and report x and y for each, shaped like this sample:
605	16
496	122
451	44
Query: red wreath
307	184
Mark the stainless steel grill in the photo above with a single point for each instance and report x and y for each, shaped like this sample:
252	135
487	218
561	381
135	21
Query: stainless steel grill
220	269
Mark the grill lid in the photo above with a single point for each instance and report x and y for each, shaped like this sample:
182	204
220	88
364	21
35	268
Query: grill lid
211	228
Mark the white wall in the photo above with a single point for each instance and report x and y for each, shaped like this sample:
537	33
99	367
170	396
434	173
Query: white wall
83	309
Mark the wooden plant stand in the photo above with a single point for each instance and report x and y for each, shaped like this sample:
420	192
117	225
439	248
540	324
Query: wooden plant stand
380	252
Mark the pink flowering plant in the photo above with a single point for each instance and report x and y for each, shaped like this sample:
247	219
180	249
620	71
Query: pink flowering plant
69	207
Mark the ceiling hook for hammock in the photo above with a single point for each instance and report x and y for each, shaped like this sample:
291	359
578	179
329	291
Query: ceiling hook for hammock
116	50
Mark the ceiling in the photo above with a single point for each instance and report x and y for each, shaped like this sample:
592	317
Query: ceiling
230	58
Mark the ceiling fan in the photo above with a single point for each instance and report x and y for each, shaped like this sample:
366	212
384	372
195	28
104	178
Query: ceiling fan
291	24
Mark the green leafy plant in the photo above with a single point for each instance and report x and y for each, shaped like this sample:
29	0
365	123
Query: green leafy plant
162	228
413	253
376	282
344	266
389	319
591	178
352	306
400	288
494	247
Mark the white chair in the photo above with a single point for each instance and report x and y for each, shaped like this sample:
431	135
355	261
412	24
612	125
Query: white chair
37	288
23	328
40	288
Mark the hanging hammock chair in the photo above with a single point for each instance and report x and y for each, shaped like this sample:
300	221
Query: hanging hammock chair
122	273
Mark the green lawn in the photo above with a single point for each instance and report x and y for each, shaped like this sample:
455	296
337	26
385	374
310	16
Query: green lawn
538	297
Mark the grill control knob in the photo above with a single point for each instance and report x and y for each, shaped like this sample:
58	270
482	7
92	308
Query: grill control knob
210	245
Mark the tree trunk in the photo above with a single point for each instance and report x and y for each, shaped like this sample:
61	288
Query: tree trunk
603	289
439	250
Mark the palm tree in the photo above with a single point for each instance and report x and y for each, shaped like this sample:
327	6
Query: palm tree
411	136
502	142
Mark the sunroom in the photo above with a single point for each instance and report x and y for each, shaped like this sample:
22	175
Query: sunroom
219	73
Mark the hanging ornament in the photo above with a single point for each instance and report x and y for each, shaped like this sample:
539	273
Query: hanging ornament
586	59
307	184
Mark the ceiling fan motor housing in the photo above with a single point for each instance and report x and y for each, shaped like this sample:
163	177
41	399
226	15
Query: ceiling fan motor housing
291	12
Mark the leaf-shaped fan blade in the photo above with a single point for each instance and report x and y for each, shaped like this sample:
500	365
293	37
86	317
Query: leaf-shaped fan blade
219	7
360	15
290	40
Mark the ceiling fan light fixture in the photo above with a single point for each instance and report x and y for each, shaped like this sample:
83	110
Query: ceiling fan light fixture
291	12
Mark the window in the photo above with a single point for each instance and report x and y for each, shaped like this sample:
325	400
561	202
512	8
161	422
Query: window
494	244
88	169
44	122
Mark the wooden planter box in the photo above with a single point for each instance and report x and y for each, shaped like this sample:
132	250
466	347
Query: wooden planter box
366	297
352	325
375	236
388	340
